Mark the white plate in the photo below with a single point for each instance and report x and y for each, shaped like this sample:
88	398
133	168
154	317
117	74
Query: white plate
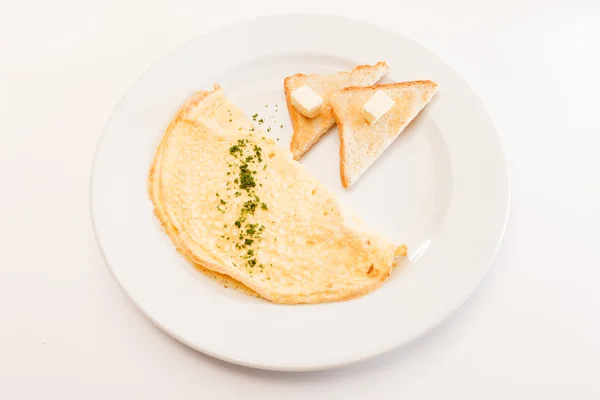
442	188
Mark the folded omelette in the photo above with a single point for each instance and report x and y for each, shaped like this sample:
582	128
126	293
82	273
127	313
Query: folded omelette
245	213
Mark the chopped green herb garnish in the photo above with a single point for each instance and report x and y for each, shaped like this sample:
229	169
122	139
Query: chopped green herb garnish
247	180
233	150
249	207
249	156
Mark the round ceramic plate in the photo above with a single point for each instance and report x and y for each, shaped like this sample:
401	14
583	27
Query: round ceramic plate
441	188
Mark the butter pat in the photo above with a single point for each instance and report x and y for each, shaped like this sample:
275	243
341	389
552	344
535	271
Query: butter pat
376	106
307	102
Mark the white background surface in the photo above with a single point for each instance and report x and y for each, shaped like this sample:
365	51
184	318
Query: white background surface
532	328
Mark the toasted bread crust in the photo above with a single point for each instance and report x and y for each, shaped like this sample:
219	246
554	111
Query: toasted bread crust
379	86
343	176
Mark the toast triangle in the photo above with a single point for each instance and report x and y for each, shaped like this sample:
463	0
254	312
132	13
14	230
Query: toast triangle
307	131
362	143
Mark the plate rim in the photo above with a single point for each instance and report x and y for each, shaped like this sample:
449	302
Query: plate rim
507	189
